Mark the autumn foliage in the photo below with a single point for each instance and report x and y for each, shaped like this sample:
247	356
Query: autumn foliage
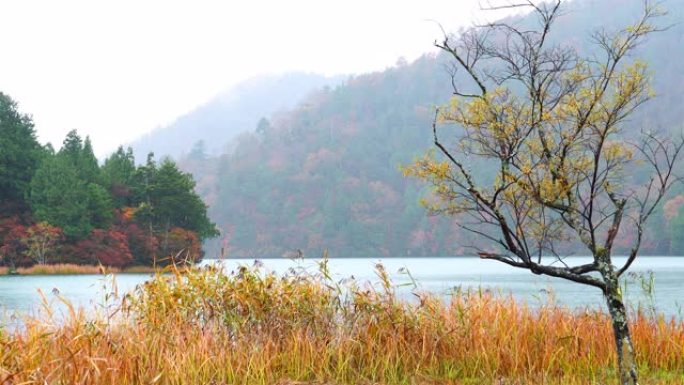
180	246
13	232
40	240
64	207
109	248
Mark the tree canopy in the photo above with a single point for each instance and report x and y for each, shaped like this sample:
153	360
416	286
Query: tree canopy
77	211
20	154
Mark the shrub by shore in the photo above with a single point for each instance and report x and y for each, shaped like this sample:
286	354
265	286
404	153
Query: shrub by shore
208	326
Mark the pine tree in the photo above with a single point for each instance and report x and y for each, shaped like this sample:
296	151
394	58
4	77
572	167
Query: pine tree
20	155
66	192
60	198
118	172
80	155
167	200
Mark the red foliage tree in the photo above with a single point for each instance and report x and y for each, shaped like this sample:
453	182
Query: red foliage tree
12	248
108	247
142	245
180	246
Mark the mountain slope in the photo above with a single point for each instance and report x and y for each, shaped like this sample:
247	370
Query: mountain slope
231	113
325	175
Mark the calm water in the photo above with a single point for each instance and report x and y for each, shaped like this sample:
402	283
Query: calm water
437	275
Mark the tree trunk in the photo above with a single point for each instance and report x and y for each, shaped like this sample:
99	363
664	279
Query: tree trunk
623	341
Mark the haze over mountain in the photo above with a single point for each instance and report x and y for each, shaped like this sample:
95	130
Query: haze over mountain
233	112
325	175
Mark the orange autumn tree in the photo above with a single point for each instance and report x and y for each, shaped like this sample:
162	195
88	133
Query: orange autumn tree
551	123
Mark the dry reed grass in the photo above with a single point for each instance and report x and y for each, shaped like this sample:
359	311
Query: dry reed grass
72	269
207	326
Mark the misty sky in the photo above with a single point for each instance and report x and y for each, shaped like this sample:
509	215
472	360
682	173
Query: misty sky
116	69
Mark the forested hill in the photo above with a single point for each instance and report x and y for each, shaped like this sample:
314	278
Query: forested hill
235	111
325	175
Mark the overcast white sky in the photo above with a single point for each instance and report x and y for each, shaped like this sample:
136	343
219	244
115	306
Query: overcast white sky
116	69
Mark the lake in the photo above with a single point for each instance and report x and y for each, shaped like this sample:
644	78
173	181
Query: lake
437	275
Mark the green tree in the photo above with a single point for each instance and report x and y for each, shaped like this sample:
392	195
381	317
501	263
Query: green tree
263	127
142	189
176	204
65	191
20	154
88	166
100	206
198	151
118	172
60	198
167	200
80	155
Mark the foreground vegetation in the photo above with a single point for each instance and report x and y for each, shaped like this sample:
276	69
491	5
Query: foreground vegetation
207	326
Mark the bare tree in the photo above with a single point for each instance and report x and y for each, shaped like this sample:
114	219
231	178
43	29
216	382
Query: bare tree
552	123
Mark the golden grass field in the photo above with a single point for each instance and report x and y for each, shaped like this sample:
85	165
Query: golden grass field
208	326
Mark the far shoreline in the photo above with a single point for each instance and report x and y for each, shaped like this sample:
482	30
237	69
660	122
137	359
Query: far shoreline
74	269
